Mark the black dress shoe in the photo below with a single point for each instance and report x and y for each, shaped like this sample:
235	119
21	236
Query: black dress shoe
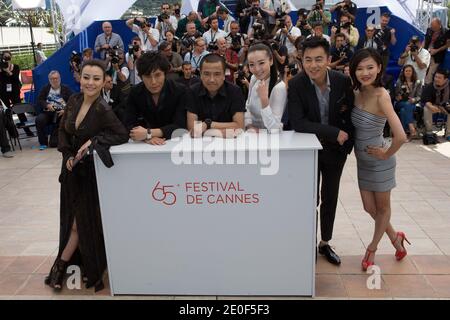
331	256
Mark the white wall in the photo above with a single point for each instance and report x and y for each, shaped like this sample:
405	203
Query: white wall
14	36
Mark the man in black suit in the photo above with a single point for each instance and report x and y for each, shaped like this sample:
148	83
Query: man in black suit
320	102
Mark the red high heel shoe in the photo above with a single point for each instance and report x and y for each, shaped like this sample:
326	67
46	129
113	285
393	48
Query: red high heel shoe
365	264
399	255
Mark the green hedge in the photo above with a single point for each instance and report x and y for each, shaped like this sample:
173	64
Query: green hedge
26	61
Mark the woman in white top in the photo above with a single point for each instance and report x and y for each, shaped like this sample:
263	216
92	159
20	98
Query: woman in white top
266	98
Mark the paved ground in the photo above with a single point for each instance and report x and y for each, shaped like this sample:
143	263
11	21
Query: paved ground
29	200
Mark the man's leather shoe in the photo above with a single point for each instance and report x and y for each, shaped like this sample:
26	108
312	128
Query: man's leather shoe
331	256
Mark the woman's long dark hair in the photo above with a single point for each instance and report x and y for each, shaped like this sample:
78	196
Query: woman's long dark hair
359	56
273	68
413	77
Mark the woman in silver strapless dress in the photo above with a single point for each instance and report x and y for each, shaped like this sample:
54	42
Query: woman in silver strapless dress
375	159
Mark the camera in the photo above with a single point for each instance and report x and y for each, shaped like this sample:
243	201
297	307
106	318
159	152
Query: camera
132	49
274	45
404	92
113	54
280	23
293	69
317	7
258	30
414	47
140	24
341	26
253	11
162	17
279	14
212	46
75	61
4	61
446	106
240	73
236	41
177	11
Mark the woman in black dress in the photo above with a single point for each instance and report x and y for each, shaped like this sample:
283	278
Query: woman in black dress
88	123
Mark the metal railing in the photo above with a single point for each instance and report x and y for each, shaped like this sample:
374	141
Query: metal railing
26	49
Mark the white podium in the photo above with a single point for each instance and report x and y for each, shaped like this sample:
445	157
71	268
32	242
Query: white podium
173	228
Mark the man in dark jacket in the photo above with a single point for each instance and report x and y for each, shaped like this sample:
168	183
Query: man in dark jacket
51	104
320	102
437	40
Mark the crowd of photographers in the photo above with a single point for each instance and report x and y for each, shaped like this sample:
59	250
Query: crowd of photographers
186	40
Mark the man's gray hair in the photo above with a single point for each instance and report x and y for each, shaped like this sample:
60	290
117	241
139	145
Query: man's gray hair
54	72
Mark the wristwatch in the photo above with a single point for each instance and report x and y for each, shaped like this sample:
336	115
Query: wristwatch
208	123
149	134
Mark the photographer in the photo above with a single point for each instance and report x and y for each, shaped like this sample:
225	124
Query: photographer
303	24
235	39
76	60
5	148
165	21
346	27
407	94
230	57
276	9
174	59
437	40
187	78
182	28
280	55
387	36
149	36
118	68
107	40
214	32
133	54
287	34
345	7
10	85
251	15
341	54
227	19
436	97
318	33
417	56
242	78
52	101
370	41
188	39
173	41
319	15
207	9
195	57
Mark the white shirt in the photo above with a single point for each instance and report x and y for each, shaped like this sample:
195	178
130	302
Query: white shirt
134	77
226	24
293	31
270	116
124	71
211	36
425	57
145	42
40	56
173	21
194	59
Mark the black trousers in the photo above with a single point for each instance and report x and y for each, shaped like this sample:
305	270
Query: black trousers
330	166
43	120
4	143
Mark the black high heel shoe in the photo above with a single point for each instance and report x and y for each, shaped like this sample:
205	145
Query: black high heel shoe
56	275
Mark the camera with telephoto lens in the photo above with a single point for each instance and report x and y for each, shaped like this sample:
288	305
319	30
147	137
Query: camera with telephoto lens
4	61
177	11
279	14
212	46
236	41
341	26
113	53
75	61
414	47
162	17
